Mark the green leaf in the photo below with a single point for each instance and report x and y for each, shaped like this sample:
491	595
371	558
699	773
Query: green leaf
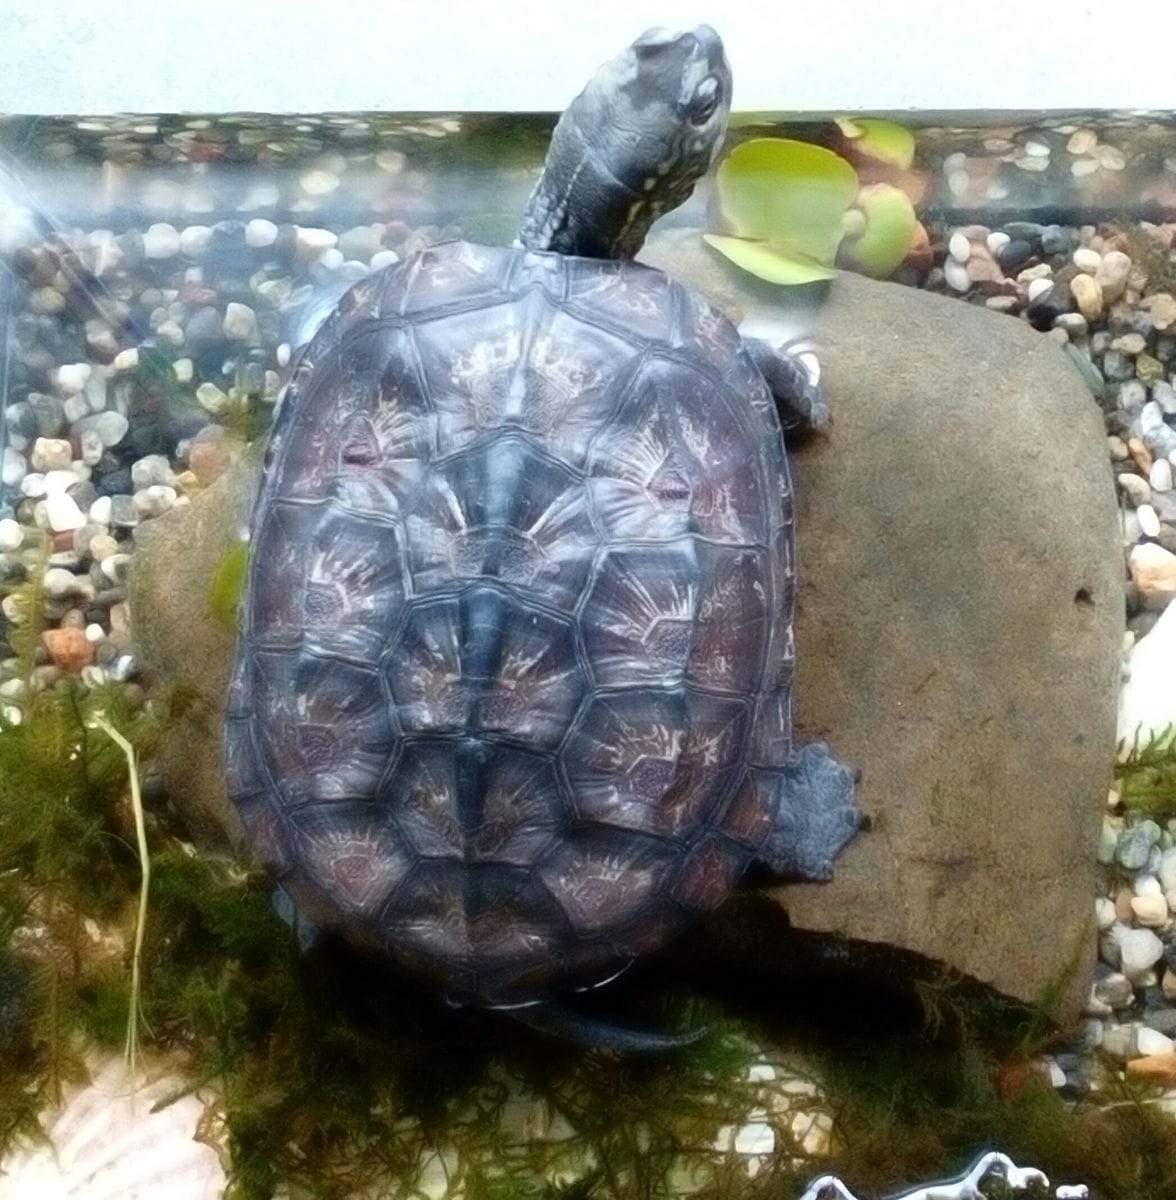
889	230
781	190
773	262
885	141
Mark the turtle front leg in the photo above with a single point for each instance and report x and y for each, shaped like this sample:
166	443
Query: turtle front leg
815	814
793	375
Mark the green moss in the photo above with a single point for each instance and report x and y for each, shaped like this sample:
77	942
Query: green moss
335	1073
1145	776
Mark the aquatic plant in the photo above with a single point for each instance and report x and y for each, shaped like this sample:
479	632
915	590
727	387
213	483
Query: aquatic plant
787	210
1145	775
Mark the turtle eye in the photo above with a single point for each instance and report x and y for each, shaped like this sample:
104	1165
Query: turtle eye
705	100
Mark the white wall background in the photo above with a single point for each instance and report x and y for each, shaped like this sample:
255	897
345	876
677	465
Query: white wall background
795	55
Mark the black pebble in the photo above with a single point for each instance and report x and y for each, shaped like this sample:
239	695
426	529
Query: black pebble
1015	254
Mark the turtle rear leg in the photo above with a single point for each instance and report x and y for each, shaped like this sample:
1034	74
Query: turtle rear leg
793	375
815	814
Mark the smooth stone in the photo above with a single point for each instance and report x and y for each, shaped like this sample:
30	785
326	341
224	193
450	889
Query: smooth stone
1140	950
63	513
1167	870
1164	394
1113	990
384	258
1120	1041
194	240
1104	913
211	398
960	728
1135	488
260	233
153	500
161	241
1149	521
959	247
1132	396
13	468
240	323
1113	273
51	454
150	469
1147	699
956	275
1150	911
1151	1041
11	535
1153	570
1087	260
1088	296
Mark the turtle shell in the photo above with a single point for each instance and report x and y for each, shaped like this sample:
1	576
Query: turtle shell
514	669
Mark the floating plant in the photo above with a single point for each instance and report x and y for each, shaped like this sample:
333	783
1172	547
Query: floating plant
788	210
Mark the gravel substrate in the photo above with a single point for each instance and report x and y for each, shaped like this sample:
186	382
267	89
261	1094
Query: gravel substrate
142	351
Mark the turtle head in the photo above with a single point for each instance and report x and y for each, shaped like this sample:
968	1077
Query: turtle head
632	145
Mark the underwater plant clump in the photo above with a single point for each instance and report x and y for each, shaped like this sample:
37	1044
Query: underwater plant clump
1145	776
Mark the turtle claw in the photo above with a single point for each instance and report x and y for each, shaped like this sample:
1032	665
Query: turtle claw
793	375
816	815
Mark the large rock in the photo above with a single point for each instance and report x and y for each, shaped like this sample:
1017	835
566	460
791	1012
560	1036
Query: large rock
959	621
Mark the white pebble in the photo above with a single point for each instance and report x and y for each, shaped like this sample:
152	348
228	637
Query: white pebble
384	258
11	535
1164	394
240	323
1135	488
1104	913
95	633
1086	259
111	427
63	513
1151	417
1167	870
161	241
194	240
72	377
32	485
1160	476
332	259
1037	149
1139	951
1149	520
311	242
96	393
59	482
283	354
151	469
126	360
1151	1041
13	467
1038	287
959	247
956	275
153	500
260	233
183	368
997	240
100	511
59	582
1146	885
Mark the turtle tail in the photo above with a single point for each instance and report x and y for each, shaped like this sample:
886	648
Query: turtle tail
552	1017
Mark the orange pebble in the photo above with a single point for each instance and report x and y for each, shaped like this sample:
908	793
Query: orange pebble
68	648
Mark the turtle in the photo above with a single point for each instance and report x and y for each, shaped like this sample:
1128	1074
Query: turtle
510	706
